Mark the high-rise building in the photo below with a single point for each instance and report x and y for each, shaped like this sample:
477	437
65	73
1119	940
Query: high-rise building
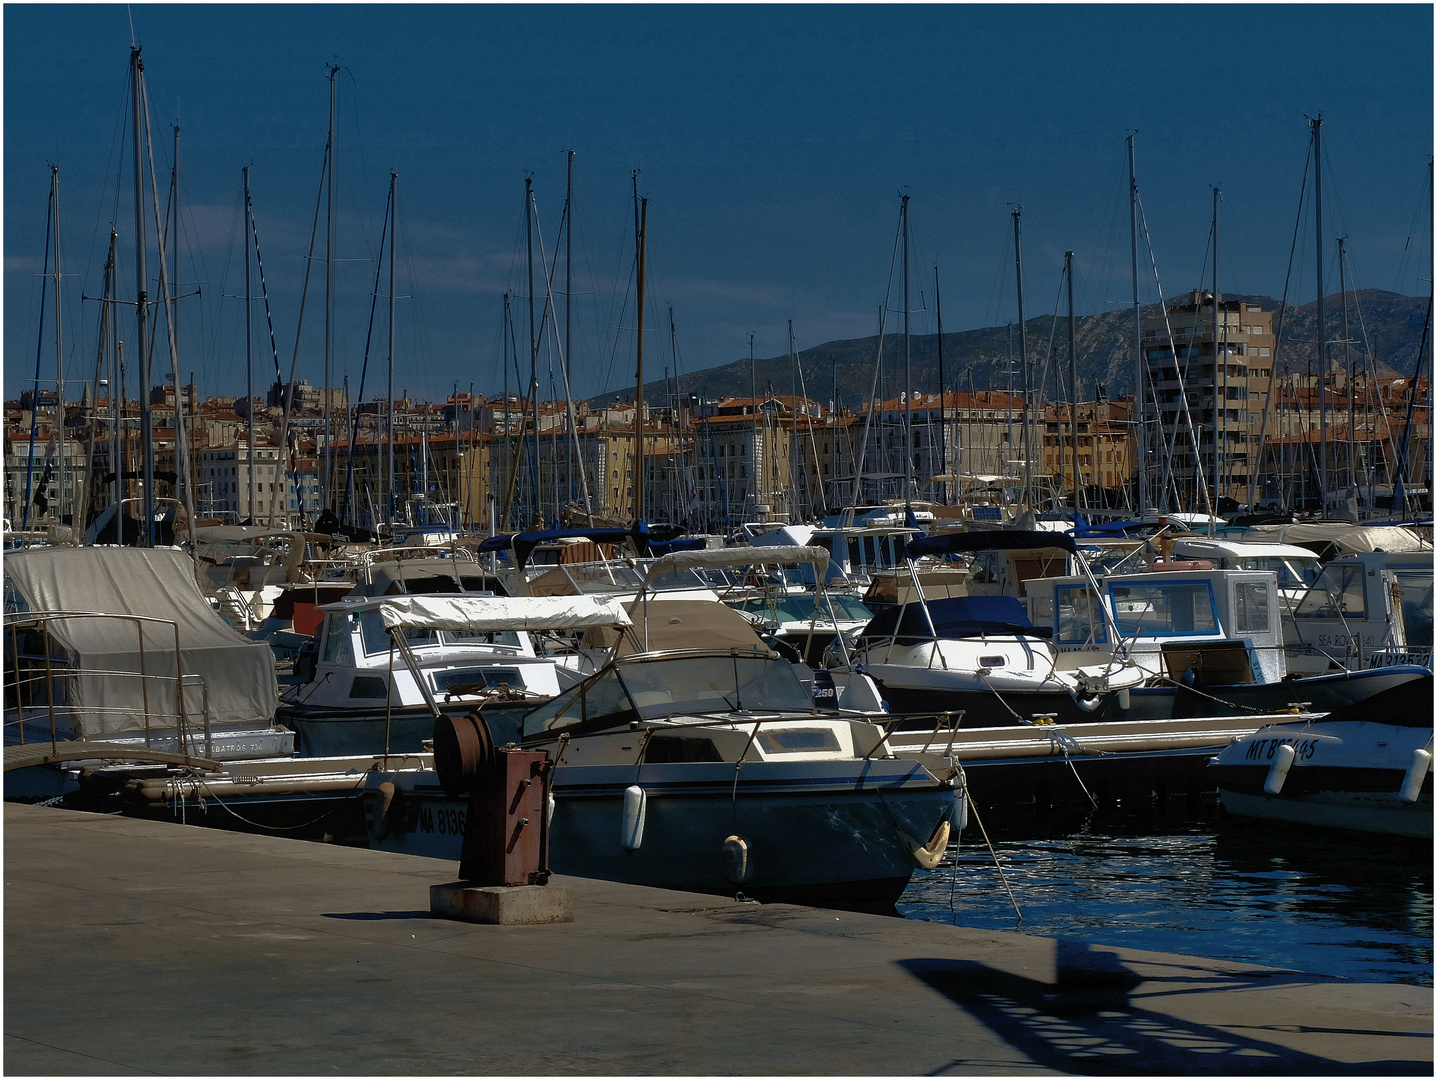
1223	390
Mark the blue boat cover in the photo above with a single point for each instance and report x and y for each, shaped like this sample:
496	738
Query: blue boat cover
955	617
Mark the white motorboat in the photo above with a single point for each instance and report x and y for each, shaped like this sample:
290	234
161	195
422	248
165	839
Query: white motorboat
1366	768
981	654
386	666
696	759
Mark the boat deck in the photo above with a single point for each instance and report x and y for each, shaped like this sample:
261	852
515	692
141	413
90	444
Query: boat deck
140	946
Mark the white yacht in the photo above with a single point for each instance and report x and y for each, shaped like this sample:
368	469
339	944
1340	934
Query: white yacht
386	665
696	759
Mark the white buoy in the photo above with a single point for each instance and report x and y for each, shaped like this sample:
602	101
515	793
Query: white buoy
631	827
1277	775
1416	773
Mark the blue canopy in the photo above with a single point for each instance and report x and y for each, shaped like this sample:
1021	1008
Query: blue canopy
955	617
953	543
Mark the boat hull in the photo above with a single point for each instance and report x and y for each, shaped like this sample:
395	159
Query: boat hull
990	708
813	832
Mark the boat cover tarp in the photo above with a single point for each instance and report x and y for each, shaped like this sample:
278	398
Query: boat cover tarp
428	576
731	558
687	624
954	543
238	676
497	612
953	617
1344	535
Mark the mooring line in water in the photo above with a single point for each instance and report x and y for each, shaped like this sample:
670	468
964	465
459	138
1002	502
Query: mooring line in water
972	809
200	801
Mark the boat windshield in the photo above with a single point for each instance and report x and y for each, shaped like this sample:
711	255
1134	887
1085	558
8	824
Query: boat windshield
801	608
656	689
1163	608
1336	594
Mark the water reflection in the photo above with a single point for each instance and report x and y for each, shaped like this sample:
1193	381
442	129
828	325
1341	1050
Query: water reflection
1197	882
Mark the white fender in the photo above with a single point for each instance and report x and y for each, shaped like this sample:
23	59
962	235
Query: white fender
1416	773
1277	775
930	855
736	865
631	825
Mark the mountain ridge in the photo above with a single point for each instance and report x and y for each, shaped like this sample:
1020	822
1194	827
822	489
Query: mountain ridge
979	359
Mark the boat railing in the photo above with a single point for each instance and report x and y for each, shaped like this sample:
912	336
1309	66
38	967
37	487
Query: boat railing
41	683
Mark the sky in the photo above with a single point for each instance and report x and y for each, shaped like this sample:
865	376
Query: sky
773	144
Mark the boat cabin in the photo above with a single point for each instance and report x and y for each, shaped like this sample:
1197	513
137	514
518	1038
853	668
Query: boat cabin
1223	625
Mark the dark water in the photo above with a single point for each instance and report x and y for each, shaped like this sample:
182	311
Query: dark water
1339	905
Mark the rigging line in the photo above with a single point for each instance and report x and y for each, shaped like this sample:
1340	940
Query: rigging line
264	295
854	498
363	373
1281	322
1178	368
287	391
39	350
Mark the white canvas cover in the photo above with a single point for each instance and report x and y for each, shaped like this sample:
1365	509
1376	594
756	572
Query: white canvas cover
497	612
1348	537
724	558
224	672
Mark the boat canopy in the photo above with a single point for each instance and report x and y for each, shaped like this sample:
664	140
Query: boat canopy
154	584
491	612
1342	535
687	624
954	543
954	617
733	558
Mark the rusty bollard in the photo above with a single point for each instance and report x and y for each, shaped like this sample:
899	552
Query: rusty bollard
504	861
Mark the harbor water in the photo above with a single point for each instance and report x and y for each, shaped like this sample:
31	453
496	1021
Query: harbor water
1346	906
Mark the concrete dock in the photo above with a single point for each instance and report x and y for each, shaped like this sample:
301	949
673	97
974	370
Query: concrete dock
142	947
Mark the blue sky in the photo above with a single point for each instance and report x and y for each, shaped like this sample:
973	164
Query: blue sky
773	143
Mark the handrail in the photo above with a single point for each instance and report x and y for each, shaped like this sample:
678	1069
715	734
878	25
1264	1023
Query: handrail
40	620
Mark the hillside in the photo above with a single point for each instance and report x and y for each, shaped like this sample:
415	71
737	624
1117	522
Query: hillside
979	359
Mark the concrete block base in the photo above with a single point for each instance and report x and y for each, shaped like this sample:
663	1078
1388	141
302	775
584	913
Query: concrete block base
507	905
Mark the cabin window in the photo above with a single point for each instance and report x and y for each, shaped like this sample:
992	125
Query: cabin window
1164	608
1336	594
799	741
368	686
1414	590
1080	616
472	680
337	649
1250	608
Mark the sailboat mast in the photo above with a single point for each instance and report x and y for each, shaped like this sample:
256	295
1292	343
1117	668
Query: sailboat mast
327	463
942	399
568	318
907	373
1217	358
1023	360
393	228
1140	430
1347	364
249	338
1316	126
753	405
147	430
1073	382
59	352
533	341
639	375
